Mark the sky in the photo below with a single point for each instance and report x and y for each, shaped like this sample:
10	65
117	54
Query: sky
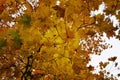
110	52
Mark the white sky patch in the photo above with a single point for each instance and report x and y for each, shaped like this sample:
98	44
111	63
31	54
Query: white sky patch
110	52
117	12
20	11
33	3
102	7
10	23
57	2
113	19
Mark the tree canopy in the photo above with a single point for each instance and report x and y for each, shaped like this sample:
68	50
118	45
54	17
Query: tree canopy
48	41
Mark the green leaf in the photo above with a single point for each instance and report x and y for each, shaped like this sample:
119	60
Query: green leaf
17	42
3	42
14	34
16	38
26	19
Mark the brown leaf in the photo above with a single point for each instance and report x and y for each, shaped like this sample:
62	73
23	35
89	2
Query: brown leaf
108	72
118	75
76	68
2	2
112	58
91	68
60	10
103	64
116	64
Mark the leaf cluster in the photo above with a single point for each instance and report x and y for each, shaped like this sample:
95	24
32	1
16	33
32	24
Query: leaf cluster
53	42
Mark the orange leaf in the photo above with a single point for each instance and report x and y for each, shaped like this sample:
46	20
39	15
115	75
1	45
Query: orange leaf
1	5
38	72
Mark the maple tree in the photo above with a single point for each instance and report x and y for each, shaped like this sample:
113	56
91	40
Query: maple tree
53	42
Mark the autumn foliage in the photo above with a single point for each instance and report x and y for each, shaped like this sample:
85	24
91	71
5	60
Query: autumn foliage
46	41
